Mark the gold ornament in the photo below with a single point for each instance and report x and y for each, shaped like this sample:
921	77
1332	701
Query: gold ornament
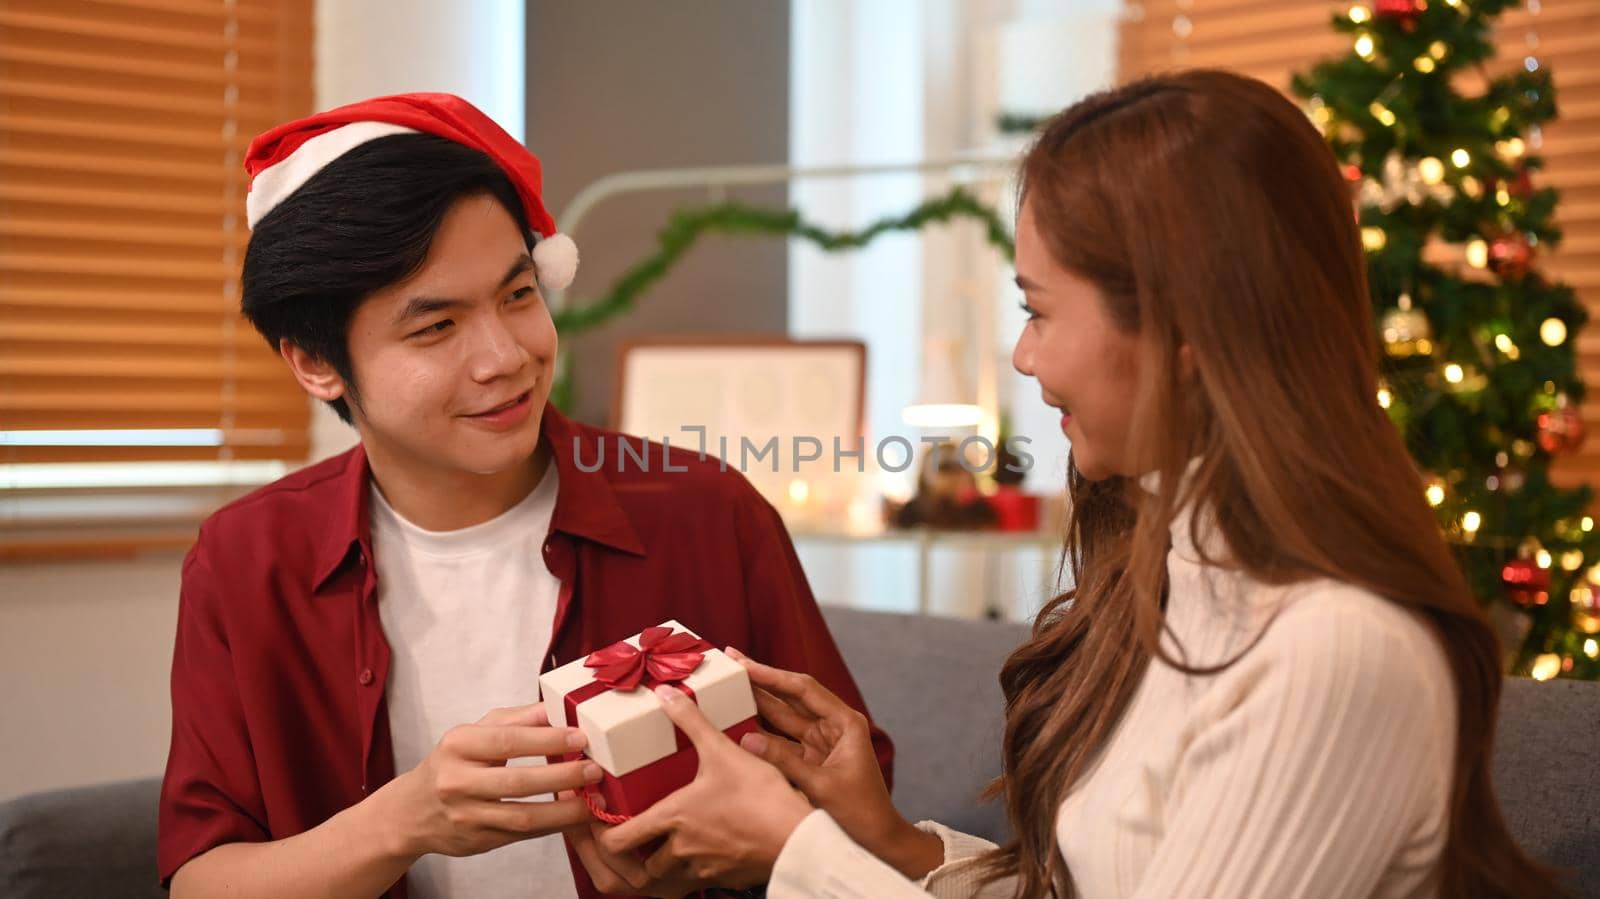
1406	331
1586	609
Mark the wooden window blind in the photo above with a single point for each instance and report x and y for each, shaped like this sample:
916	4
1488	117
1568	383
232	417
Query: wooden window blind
123	124
1271	39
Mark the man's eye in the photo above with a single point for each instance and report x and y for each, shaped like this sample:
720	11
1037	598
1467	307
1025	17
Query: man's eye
1033	314
524	293
438	327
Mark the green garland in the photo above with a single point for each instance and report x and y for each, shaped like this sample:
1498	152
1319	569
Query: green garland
688	225
1014	123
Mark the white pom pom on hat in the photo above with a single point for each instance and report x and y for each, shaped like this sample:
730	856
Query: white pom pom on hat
555	258
281	160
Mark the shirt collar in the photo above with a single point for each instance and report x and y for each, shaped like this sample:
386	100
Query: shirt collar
348	521
586	504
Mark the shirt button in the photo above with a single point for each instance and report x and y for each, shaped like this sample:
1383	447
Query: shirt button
547	549
365	677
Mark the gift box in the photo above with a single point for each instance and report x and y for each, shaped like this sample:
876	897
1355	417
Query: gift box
610	696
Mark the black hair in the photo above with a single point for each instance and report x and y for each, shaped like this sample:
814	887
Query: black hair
364	222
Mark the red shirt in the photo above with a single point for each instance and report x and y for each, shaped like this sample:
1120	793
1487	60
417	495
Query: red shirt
278	717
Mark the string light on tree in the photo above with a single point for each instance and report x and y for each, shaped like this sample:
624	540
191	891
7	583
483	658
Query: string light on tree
1511	148
1553	331
1444	167
1434	493
1585	603
1546	666
1463	378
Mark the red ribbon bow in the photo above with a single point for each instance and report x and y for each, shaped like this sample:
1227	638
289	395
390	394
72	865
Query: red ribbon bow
666	657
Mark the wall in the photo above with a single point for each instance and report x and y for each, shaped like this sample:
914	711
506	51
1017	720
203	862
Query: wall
905	80
84	652
616	86
85	648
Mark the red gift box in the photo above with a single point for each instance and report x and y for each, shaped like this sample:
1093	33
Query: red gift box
609	695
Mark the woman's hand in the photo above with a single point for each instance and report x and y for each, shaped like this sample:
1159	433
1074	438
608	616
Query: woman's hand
833	764
726	827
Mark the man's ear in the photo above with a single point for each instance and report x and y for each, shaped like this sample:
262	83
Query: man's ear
317	376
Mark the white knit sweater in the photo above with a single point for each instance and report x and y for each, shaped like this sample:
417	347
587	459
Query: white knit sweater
1319	764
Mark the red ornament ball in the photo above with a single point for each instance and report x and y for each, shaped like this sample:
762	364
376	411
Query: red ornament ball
1526	583
1511	255
1520	184
1560	430
1403	11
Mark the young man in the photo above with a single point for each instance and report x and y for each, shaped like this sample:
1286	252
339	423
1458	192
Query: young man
358	649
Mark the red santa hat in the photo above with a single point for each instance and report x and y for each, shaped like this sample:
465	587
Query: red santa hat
282	160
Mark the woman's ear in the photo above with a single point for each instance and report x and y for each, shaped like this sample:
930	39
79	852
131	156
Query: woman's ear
1186	361
316	376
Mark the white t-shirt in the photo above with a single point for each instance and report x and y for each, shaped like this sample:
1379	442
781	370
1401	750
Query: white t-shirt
468	614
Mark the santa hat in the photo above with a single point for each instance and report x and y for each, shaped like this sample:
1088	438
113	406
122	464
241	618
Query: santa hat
283	159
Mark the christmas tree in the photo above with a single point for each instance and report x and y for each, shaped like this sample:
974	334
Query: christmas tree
1478	366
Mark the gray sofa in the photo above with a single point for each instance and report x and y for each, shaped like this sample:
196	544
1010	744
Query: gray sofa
931	683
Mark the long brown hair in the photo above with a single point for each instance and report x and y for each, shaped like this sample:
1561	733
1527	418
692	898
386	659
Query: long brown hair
1212	217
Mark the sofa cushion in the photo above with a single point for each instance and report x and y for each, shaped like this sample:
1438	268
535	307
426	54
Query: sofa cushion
83	843
933	684
1546	776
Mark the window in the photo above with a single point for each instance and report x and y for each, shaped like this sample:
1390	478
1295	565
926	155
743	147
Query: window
133	395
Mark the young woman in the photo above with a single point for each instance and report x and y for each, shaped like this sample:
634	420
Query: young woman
1269	678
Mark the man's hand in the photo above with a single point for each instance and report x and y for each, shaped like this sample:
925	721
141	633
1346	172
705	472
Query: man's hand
460	800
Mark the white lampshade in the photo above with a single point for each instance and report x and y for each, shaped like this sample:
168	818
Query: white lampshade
944	400
1046	63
